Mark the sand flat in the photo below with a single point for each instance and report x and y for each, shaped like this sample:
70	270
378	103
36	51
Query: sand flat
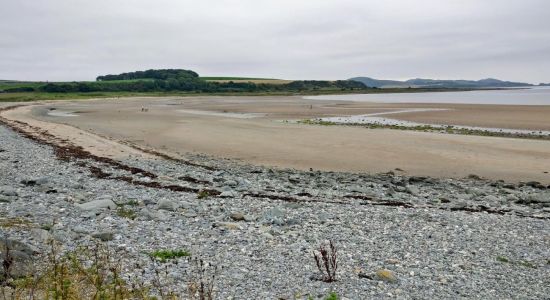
267	141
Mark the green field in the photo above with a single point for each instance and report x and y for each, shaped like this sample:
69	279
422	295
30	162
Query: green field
235	78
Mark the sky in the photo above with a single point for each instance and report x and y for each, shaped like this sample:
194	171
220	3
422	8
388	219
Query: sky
65	40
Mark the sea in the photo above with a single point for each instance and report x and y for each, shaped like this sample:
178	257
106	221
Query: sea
514	96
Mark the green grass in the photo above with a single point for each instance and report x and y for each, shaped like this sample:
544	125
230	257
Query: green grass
503	259
332	296
165	255
126	213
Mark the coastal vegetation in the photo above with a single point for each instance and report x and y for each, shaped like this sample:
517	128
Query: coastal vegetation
177	82
174	81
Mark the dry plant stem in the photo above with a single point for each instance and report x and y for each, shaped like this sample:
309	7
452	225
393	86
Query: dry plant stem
327	262
202	288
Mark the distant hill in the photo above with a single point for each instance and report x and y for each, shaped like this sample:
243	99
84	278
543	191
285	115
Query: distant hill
434	83
544	84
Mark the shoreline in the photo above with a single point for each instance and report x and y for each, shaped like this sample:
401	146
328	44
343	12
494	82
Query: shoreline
263	140
438	237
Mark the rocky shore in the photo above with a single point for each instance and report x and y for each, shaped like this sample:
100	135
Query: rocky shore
434	238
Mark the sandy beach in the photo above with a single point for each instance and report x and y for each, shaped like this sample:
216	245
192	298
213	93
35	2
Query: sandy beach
252	130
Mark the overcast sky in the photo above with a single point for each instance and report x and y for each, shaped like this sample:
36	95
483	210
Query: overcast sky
291	39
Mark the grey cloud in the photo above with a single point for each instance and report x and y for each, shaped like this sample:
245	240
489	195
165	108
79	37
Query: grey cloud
78	40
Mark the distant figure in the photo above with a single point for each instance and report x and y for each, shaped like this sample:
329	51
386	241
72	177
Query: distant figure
143	109
311	107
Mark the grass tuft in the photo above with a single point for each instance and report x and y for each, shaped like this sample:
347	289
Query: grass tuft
165	255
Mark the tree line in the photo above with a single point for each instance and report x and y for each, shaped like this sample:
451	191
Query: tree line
170	80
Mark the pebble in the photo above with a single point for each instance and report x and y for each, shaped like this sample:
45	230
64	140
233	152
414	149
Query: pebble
97	204
272	251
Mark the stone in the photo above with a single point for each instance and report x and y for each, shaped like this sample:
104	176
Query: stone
8	191
491	198
295	179
22	264
21	254
231	183
358	189
392	261
166	204
104	236
274	214
413	190
80	230
41	235
386	276
237	216
35	181
535	184
250	218
227	225
97	204
228	194
18	246
151	215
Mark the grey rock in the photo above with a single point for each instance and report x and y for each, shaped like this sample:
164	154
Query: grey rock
97	204
228	194
22	265
227	225
151	215
165	204
8	191
537	198
237	216
231	183
18	246
295	179
104	236
250	218
413	190
35	181
274	213
81	230
491	198
358	189
41	235
62	236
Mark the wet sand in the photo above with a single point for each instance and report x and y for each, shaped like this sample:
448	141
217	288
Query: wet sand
249	129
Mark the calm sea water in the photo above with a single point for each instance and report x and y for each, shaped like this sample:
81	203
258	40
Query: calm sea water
531	96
